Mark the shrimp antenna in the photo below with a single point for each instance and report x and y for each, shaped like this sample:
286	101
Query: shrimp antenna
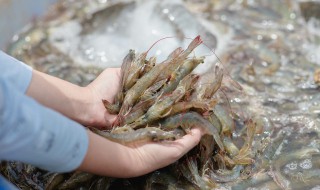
159	41
212	50
169	37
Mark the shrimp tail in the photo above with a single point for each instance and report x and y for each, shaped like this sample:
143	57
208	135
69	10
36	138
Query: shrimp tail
111	108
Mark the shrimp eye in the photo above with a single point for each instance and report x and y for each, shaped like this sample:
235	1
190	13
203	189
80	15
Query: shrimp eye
154	137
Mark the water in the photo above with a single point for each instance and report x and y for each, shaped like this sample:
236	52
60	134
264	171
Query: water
266	46
276	67
129	25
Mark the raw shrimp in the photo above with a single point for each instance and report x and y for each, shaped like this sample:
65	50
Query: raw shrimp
103	183
135	70
171	67
148	134
207	90
244	156
225	119
111	108
134	93
230	147
148	65
165	102
192	119
152	91
54	181
75	180
186	68
137	111
226	175
125	71
185	106
191	172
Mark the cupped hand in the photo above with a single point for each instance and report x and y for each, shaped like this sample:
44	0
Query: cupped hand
105	86
151	156
111	159
108	158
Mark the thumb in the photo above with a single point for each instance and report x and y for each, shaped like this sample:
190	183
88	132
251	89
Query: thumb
109	119
190	140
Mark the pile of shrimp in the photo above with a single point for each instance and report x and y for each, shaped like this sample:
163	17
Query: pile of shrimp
163	101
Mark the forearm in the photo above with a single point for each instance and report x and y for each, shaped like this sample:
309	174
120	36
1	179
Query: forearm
67	98
34	134
106	158
112	159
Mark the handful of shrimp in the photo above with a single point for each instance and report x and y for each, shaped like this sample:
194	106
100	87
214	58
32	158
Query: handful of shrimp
162	102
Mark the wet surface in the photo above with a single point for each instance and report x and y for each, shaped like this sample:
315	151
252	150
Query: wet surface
270	47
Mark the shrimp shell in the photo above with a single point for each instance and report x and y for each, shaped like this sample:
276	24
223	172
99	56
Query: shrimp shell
137	111
111	108
187	67
184	106
206	91
191	172
125	71
134	93
148	65
135	69
54	181
76	179
179	60
230	147
163	103
152	91
192	119
227	175
148	134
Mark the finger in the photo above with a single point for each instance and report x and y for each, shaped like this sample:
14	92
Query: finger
168	153
175	150
110	119
182	145
190	140
157	155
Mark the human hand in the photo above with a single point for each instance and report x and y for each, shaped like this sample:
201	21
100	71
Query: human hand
105	86
151	156
82	104
111	159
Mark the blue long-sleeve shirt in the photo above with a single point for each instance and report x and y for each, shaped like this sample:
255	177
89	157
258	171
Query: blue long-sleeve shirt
30	132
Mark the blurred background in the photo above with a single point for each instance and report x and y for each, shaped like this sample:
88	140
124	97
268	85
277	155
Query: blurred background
16	14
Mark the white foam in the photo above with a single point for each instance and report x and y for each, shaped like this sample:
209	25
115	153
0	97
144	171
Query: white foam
306	164
136	29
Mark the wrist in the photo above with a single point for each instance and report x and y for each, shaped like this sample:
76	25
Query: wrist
99	161
85	106
64	97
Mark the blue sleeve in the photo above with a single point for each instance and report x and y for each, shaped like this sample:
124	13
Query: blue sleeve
15	72
6	185
34	134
